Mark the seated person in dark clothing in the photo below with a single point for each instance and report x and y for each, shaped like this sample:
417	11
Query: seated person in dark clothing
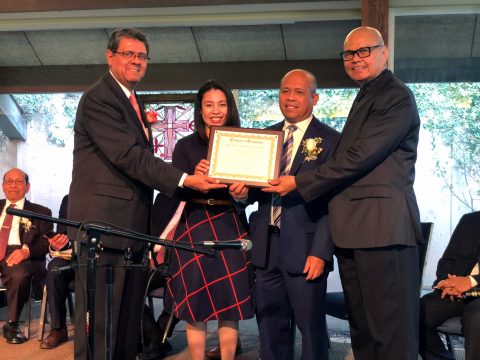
162	211
57	283
457	273
22	250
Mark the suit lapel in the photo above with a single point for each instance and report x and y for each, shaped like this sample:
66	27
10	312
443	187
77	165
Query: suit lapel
371	94
120	95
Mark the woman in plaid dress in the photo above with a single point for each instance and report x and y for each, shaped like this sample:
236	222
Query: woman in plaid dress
203	288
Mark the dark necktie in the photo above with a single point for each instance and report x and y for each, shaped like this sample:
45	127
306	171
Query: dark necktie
5	233
285	165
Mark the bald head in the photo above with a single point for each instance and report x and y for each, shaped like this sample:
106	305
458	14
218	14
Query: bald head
311	80
297	95
365	31
369	55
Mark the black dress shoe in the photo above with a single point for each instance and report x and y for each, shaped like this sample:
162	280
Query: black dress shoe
215	354
55	338
12	333
156	350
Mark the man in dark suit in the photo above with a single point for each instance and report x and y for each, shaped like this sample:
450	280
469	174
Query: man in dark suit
114	173
373	215
292	252
58	282
457	273
22	255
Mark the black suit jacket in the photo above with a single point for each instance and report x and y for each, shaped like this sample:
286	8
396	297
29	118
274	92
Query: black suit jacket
305	229
37	244
372	171
114	169
463	250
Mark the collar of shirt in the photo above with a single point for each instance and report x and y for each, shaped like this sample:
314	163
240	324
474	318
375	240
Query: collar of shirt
125	90
14	238
297	134
18	205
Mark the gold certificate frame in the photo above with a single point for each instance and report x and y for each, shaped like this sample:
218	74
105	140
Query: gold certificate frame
242	154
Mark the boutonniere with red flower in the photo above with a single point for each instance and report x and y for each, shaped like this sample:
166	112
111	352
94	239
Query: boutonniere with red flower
311	148
152	116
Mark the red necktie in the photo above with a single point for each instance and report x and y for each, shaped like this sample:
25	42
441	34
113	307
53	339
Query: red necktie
5	233
134	103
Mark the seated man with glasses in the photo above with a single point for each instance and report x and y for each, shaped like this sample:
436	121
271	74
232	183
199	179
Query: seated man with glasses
22	250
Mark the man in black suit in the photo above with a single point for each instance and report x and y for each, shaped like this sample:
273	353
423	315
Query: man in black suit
57	282
293	252
22	255
457	272
374	217
114	173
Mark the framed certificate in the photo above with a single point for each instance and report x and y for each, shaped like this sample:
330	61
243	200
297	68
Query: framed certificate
241	154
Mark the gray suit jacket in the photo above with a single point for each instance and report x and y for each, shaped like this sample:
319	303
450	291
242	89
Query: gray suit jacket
372	171
114	169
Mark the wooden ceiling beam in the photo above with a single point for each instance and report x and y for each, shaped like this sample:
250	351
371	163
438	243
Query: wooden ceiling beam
375	14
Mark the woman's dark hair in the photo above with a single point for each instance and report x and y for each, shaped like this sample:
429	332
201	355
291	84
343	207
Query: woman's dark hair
131	33
233	119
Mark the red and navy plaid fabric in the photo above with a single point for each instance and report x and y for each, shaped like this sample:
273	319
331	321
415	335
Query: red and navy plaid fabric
205	288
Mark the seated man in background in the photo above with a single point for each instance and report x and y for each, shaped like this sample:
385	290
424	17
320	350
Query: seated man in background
57	281
57	290
457	273
22	250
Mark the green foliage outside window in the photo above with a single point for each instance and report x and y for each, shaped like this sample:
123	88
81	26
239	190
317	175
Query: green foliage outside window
450	112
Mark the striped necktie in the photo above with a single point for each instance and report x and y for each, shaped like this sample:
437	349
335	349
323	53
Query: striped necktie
5	233
285	165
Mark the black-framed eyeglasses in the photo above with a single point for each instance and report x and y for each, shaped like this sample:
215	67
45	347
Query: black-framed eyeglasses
362	52
131	55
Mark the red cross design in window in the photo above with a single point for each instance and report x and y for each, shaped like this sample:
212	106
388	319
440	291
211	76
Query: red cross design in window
174	122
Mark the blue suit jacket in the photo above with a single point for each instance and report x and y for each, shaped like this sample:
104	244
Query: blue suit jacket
305	229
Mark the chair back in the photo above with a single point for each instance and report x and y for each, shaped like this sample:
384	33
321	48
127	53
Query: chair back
427	229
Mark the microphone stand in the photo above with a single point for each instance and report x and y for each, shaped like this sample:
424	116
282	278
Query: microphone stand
94	233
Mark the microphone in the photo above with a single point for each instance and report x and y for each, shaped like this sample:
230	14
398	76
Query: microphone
33	215
240	244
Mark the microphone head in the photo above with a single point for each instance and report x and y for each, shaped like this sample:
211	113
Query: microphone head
246	244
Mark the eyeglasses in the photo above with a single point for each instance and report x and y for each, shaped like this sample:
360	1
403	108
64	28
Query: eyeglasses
16	182
131	55
362	52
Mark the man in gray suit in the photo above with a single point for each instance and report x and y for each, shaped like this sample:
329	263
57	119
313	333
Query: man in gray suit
114	174
374	217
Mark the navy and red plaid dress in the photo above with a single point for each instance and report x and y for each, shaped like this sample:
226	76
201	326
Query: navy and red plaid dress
203	288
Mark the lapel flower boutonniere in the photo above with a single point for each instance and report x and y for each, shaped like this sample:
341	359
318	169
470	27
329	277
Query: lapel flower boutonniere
26	224
152	116
311	148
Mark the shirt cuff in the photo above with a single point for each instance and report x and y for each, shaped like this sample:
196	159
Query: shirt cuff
473	281
182	180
